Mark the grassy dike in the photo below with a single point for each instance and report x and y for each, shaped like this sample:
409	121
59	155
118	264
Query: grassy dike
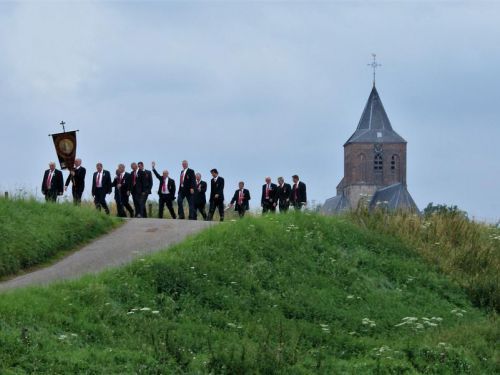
290	294
32	233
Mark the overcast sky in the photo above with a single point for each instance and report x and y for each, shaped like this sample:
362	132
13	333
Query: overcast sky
255	89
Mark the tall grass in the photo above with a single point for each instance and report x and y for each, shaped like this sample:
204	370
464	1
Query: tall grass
32	233
466	250
282	294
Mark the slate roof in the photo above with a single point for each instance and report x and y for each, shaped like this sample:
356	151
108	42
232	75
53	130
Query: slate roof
394	198
374	125
336	205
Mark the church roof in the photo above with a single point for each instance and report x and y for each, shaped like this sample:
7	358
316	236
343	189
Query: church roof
374	125
336	205
394	198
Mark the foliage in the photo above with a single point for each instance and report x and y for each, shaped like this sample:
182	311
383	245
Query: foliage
279	294
32	233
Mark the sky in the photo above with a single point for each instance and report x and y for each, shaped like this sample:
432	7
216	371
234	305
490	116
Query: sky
255	89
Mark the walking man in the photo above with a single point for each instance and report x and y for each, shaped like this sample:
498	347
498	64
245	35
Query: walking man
146	178
187	184
241	197
200	198
52	183
283	192
77	178
216	195
299	194
122	184
101	186
268	199
166	192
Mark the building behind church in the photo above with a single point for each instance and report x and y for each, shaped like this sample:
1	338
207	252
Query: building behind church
374	165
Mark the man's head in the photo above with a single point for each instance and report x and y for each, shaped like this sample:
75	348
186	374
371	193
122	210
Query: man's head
78	162
295	178
268	180
214	172
140	165
198	177
185	164
241	185
121	168
133	166
281	180
52	166
98	166
165	173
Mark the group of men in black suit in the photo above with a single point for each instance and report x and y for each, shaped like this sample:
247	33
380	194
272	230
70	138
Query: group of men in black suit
192	189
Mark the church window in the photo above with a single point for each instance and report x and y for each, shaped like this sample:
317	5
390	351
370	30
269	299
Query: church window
394	163
378	164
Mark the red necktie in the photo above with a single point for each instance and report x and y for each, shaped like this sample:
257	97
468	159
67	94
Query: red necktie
296	192
240	199
164	185
267	191
49	180
134	176
182	178
98	183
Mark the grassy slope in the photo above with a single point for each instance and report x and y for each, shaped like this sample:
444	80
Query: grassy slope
285	294
32	233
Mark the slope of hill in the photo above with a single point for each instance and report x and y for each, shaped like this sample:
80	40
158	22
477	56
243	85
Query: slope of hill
32	232
280	294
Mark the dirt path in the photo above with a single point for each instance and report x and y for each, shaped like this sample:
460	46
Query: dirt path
134	238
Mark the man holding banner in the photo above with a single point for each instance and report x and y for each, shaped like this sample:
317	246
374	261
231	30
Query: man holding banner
52	183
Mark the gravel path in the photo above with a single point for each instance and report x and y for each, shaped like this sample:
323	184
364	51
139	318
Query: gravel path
134	238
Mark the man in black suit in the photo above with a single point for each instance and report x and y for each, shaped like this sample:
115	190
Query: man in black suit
200	198
299	194
268	199
216	195
135	188
52	183
77	177
187	184
166	192
241	198
147	184
101	186
122	184
283	192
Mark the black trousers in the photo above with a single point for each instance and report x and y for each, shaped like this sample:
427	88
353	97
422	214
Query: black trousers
166	200
51	195
180	203
77	197
143	198
100	200
122	204
200	207
268	206
284	207
137	205
213	205
297	205
241	210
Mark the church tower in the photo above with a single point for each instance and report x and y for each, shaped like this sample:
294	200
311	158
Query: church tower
374	164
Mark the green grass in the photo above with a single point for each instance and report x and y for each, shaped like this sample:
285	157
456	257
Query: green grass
289	294
467	251
32	233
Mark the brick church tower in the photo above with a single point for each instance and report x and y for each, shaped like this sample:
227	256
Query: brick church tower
374	165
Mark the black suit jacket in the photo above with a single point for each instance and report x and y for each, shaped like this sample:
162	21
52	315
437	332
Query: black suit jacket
283	193
56	184
170	185
125	185
246	198
143	182
217	187
148	186
272	193
78	180
105	182
189	182
301	193
200	191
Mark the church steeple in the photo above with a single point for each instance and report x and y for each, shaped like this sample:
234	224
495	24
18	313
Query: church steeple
374	125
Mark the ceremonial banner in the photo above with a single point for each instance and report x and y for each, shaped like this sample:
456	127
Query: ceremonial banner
65	144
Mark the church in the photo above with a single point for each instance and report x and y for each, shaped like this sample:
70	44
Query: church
374	165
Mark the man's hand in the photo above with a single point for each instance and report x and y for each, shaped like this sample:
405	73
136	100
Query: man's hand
274	204
153	164
216	196
72	173
231	205
191	191
119	186
128	192
65	188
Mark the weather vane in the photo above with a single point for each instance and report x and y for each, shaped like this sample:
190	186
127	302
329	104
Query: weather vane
374	64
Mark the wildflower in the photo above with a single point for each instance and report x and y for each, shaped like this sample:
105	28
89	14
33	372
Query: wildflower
155	312
368	322
130	313
232	325
145	309
62	337
350	296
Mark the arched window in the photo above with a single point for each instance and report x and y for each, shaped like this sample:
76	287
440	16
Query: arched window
395	163
378	163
